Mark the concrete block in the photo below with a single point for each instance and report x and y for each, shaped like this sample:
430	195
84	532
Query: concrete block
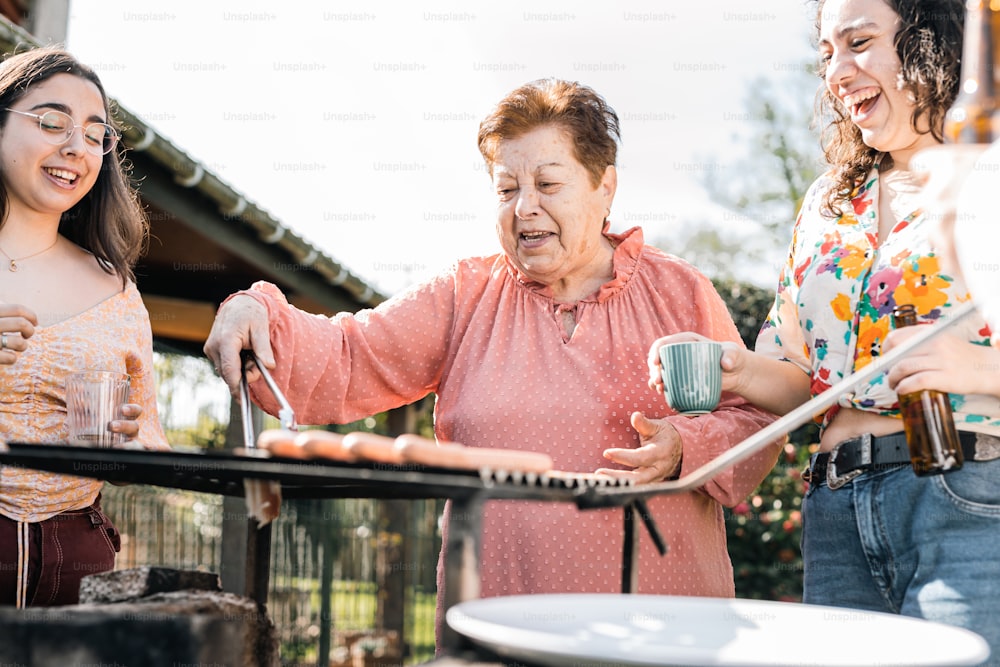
135	583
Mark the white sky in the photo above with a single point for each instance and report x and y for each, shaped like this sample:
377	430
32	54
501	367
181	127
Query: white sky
354	123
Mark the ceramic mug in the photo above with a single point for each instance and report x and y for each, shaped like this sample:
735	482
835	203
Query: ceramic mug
692	376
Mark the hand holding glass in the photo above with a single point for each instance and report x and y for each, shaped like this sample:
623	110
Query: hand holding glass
93	400
692	376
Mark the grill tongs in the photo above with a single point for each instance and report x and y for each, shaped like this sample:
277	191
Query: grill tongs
263	496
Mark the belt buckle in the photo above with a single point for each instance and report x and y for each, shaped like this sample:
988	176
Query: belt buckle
834	480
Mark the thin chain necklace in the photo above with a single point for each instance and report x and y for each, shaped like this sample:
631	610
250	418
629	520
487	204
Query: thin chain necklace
13	267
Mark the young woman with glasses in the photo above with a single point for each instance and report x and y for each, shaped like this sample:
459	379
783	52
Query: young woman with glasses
70	231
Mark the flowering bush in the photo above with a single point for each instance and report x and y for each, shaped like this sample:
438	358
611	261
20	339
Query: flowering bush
764	531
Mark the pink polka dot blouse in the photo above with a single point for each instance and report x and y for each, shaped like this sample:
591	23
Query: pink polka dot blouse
491	345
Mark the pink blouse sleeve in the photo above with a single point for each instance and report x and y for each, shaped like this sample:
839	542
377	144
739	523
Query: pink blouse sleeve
350	366
706	437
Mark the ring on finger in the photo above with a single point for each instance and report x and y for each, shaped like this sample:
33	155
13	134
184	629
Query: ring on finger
3	341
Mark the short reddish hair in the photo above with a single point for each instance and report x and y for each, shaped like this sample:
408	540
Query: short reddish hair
586	118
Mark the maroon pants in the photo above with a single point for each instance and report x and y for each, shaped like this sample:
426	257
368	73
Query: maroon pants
62	551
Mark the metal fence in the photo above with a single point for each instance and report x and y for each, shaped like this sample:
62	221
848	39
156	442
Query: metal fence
330	561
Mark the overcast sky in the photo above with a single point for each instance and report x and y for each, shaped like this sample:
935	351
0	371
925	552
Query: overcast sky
354	123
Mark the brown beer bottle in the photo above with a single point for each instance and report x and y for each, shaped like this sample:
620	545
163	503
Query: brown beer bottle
927	420
974	118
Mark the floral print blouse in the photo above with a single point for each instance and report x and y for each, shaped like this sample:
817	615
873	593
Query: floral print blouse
111	335
837	292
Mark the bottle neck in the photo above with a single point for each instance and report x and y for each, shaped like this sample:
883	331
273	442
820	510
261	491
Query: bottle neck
904	316
975	115
977	53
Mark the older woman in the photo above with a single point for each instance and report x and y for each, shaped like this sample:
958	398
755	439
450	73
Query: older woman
540	347
876	536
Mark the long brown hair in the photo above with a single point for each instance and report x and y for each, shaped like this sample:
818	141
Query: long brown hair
109	221
929	46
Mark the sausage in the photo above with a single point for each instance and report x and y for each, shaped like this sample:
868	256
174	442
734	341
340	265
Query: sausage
372	447
319	444
280	442
416	449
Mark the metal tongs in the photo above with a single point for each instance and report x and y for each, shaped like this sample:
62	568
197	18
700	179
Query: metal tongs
604	497
263	496
286	416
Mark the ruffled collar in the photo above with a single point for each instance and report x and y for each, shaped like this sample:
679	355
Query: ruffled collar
628	248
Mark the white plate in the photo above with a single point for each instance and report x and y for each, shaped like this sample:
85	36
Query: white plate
628	630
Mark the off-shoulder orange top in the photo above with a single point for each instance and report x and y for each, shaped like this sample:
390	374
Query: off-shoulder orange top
111	335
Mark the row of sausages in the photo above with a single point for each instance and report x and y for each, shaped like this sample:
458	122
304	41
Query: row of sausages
403	450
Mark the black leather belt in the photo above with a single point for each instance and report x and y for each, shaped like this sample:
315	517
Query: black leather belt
852	457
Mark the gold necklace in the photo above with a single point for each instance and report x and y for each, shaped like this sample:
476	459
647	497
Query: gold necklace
12	267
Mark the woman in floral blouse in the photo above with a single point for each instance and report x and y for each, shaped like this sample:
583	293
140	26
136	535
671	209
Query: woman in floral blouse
885	540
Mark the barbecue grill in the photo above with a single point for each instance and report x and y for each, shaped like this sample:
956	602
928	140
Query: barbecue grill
226	472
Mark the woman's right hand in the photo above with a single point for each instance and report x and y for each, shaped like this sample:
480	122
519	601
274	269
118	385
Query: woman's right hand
775	385
17	325
241	324
732	360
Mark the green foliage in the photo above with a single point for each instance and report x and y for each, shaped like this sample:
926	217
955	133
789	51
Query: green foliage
748	306
764	531
767	173
192	401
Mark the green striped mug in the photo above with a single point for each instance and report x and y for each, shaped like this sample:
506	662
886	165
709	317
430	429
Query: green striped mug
692	376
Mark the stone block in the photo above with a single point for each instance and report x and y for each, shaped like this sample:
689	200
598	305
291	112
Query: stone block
171	629
135	583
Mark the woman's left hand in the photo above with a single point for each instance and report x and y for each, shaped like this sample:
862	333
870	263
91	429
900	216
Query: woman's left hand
946	363
657	458
129	424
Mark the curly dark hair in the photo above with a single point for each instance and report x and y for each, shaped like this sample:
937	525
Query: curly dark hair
929	45
109	221
577	109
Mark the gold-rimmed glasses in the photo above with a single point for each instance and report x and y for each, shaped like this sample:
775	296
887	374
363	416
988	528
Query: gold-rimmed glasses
57	128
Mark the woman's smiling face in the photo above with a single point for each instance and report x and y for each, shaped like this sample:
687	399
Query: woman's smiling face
863	71
550	214
40	176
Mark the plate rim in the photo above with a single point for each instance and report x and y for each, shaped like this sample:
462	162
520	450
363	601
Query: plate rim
486	633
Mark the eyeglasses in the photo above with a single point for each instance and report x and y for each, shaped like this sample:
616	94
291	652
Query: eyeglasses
57	128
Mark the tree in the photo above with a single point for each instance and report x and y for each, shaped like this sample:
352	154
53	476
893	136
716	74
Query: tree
193	403
764	532
748	240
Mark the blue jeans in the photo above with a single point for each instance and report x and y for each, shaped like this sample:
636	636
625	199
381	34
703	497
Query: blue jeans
892	542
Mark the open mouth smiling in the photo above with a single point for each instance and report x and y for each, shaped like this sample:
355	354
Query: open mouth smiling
67	177
860	103
531	240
